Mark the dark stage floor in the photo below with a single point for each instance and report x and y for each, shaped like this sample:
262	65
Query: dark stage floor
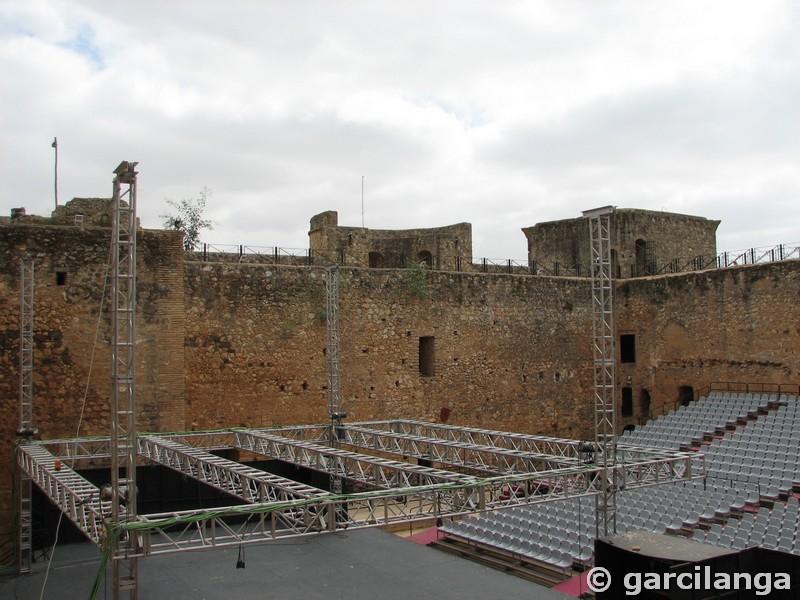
360	565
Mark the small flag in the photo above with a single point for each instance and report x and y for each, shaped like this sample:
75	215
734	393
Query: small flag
55	143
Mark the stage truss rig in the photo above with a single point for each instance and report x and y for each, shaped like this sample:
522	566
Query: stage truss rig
394	471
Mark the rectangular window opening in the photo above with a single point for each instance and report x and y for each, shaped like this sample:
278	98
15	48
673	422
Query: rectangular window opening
426	356
61	278
627	348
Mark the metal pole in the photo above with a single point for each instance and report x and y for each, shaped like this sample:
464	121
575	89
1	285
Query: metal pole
55	179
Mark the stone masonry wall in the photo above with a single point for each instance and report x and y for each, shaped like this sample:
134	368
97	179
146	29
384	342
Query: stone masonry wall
510	352
70	275
362	247
671	236
224	344
729	325
674	236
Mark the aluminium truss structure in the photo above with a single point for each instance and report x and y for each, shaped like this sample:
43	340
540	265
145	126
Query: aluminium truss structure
395	471
123	375
384	480
605	424
26	429
335	413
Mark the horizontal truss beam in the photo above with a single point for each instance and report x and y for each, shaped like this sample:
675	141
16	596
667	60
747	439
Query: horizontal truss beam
247	483
95	452
370	470
489	459
398	492
565	451
77	498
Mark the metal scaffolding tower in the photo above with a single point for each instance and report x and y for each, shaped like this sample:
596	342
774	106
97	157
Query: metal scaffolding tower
605	453
332	348
332	319
123	371
26	429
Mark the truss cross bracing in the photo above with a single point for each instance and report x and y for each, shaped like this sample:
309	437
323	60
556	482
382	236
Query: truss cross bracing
391	490
26	348
564	451
78	499
249	484
332	345
335	413
26	429
600	232
123	375
372	471
454	454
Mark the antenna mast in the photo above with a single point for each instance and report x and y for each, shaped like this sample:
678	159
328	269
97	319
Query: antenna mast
55	179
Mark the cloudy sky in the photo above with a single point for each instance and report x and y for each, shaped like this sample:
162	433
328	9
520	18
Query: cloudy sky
499	113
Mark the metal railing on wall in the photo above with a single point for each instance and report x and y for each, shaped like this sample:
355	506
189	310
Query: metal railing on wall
275	255
749	388
751	256
776	389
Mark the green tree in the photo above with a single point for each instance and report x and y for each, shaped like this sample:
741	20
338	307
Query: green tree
187	216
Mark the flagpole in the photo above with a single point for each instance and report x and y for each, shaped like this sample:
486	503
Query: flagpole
55	179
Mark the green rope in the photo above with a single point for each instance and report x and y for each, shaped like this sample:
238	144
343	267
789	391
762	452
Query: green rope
249	509
111	543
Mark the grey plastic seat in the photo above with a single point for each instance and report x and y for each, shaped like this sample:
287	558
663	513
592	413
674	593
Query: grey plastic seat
562	560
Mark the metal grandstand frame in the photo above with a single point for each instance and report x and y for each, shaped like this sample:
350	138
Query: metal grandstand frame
605	413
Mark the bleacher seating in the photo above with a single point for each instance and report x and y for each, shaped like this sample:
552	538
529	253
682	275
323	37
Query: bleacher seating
752	448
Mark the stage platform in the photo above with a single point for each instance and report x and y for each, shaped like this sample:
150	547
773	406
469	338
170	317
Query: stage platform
357	565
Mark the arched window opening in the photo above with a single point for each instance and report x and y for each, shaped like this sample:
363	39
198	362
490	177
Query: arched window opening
425	257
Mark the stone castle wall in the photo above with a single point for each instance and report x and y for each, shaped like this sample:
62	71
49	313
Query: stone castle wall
70	274
444	247
728	325
256	347
667	236
224	344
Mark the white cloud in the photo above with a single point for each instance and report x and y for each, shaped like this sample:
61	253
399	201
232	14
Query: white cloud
502	114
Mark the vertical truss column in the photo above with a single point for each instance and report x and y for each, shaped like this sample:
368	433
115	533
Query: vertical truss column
600	227
334	398
123	371
26	429
332	320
